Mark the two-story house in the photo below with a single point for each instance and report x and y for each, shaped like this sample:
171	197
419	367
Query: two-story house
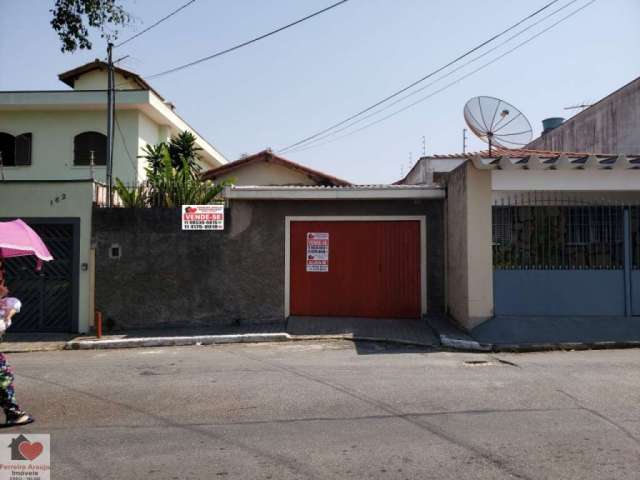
53	155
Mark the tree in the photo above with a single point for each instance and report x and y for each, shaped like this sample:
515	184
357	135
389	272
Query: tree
72	17
173	177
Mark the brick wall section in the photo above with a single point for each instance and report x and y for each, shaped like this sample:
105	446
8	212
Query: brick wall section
167	277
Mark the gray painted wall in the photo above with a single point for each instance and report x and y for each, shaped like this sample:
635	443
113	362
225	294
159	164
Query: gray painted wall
610	126
559	292
167	277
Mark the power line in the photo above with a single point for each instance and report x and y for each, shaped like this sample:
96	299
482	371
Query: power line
430	84
420	80
458	80
244	44
155	24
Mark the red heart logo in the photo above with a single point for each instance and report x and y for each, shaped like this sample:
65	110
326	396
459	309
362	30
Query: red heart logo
29	450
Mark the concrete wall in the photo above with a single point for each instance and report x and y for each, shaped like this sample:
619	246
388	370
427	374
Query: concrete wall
169	277
566	180
610	126
264	173
37	200
469	257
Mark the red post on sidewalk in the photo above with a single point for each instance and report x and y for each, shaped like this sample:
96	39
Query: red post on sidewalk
98	324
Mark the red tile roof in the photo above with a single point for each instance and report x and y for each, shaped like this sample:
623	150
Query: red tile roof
268	156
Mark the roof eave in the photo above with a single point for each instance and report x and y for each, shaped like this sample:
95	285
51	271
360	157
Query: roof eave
329	193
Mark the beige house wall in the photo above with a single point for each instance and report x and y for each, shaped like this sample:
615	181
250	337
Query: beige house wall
149	133
266	174
52	143
37	200
469	261
97	80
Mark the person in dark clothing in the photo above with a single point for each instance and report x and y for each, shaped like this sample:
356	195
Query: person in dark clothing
9	306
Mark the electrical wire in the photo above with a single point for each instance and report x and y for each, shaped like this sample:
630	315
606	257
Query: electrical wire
244	44
420	80
430	84
155	24
458	80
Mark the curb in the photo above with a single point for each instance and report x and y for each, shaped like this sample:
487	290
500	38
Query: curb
566	346
55	348
219	339
175	341
466	345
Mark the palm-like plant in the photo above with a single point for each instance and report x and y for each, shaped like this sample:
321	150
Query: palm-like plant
184	151
172	177
153	154
135	197
172	187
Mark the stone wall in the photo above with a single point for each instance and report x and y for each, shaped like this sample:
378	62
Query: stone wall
167	277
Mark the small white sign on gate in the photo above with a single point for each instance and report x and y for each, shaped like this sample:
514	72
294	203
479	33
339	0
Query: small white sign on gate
317	252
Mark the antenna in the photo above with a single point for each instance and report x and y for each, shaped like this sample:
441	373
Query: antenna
464	141
497	122
575	107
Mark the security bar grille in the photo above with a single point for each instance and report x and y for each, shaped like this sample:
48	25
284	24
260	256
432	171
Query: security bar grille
559	232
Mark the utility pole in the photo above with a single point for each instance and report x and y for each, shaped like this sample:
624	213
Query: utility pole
424	146
464	141
110	107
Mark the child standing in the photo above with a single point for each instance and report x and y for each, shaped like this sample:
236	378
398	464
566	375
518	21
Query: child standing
9	306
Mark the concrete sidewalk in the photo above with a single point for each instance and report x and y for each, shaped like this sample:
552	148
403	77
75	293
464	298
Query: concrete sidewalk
405	331
434	332
398	330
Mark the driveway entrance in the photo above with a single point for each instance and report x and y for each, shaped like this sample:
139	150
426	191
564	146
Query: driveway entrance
356	268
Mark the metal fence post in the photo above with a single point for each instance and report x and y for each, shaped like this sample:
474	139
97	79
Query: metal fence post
627	262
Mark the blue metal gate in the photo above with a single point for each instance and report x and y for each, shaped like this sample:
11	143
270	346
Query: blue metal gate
559	256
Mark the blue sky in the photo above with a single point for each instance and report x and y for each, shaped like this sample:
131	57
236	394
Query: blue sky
292	85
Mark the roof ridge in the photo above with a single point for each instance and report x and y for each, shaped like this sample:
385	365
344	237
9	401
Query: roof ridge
268	155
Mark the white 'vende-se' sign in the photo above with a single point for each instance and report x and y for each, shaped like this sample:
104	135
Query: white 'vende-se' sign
317	252
202	217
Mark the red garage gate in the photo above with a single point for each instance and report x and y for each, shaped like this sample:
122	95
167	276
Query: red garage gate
373	268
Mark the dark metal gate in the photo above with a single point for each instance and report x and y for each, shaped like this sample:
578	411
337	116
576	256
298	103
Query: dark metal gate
557	255
48	297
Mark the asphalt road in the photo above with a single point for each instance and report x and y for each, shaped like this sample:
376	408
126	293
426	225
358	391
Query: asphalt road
334	410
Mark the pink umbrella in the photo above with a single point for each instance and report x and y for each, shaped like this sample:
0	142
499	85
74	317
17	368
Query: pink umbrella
17	239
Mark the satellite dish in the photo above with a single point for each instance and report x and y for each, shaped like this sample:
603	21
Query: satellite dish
497	122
